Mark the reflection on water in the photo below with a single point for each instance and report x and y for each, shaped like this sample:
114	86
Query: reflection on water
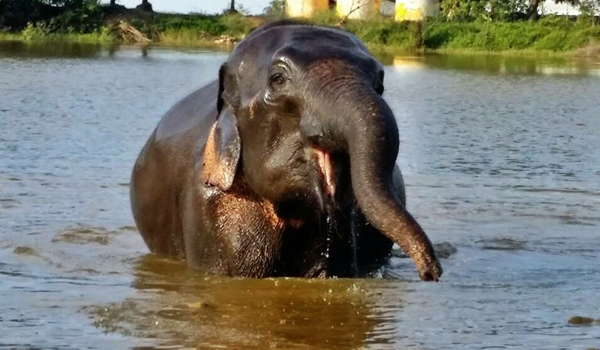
60	49
18	49
500	157
194	310
494	64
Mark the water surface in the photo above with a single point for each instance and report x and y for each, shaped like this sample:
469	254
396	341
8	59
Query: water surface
501	158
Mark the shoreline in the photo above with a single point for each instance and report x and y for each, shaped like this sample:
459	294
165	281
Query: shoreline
590	52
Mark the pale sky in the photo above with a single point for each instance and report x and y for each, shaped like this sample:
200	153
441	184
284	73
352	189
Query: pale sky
205	6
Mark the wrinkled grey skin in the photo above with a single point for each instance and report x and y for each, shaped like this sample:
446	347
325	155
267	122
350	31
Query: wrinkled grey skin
285	166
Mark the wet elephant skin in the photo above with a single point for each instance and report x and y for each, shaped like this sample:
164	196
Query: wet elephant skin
284	166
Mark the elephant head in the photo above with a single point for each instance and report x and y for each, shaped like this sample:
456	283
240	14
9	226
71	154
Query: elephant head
301	113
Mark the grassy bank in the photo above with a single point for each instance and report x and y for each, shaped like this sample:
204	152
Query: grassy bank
549	35
40	33
193	30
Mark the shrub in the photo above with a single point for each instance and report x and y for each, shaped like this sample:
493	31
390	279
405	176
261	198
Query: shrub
552	34
35	32
84	16
380	31
211	25
237	25
275	10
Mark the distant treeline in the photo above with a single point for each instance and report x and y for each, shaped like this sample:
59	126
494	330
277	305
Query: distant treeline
471	25
64	16
508	10
58	15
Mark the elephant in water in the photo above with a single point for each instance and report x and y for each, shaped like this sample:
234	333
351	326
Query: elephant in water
285	166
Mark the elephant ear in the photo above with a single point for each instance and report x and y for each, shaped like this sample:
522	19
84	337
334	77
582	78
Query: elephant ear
228	89
222	152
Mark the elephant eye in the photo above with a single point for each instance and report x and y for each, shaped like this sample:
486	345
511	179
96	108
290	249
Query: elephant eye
277	81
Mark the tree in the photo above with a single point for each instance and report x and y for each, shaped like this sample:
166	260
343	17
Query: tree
466	10
589	8
113	3
231	8
502	10
276	9
145	6
84	16
532	10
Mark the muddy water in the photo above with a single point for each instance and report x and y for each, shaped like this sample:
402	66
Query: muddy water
501	158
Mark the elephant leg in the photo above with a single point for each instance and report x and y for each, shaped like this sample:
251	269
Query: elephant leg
155	204
234	233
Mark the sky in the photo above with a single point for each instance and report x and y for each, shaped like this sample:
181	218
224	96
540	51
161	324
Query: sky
205	6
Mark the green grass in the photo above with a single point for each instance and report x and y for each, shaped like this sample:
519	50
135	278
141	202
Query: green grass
209	25
39	33
549	35
546	35
7	36
199	29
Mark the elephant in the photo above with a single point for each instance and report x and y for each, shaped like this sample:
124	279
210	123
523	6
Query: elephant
283	166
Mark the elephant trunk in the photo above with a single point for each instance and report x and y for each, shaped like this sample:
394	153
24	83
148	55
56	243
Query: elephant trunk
366	124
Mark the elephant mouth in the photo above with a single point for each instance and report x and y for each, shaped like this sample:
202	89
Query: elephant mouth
326	171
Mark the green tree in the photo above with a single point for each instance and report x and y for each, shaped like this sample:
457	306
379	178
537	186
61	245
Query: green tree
145	6
81	15
502	10
589	8
461	10
276	9
471	10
